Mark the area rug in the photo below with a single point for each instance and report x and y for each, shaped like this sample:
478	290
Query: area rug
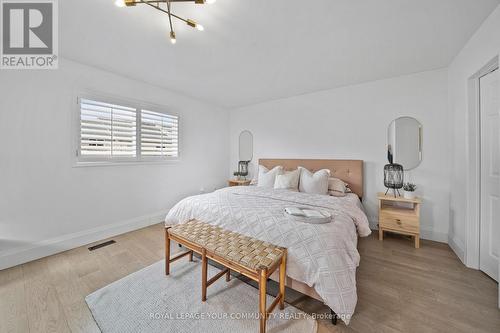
149	301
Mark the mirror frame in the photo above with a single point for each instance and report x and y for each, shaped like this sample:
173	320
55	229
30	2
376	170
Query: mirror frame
420	135
239	144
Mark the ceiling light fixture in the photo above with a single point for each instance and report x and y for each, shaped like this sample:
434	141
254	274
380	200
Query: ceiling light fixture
164	6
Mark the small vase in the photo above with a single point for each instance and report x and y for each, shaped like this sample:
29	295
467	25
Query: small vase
409	195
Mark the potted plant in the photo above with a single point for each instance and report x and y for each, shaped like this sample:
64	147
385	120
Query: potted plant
409	190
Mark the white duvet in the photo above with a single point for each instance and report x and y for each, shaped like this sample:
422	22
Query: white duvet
323	256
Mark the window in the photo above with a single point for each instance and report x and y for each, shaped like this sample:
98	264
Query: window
120	133
107	130
159	134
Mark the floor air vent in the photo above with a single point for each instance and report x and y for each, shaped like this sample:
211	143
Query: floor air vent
98	246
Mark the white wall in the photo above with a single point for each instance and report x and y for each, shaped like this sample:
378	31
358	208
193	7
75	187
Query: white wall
351	123
47	205
481	49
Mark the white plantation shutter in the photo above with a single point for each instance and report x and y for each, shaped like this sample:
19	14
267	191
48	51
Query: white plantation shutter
159	134
124	132
107	130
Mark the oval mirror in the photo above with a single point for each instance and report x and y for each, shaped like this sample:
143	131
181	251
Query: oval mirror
246	146
405	142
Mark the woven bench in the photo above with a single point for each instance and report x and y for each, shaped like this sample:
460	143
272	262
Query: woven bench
248	256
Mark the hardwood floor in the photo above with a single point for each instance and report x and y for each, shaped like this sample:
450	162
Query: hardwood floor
400	288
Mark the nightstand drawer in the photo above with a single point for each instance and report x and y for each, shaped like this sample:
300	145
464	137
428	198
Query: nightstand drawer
399	223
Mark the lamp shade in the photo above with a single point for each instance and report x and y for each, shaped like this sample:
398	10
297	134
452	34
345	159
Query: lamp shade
243	168
393	176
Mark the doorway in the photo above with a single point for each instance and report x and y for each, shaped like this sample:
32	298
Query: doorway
489	182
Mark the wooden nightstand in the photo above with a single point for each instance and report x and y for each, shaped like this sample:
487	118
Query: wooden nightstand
238	182
399	215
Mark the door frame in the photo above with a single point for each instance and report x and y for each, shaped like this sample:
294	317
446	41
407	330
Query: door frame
473	174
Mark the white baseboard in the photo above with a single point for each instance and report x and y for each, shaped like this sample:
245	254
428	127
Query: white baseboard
432	235
458	247
424	234
21	255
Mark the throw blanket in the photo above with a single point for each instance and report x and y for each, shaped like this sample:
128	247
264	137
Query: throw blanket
323	256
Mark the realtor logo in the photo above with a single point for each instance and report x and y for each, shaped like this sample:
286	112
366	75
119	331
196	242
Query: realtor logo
29	34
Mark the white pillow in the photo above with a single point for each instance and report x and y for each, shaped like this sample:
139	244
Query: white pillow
288	180
268	177
316	183
337	185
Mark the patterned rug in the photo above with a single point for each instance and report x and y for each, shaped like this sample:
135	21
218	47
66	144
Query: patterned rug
149	301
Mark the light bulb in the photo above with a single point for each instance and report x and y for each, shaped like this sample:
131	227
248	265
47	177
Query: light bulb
210	1
193	24
173	40
120	3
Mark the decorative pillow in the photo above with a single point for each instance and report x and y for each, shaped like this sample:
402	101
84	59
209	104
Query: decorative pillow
316	183
337	185
268	177
289	180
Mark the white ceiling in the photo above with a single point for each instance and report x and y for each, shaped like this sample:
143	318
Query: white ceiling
257	50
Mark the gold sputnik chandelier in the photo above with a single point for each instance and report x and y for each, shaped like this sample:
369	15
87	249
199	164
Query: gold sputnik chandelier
165	7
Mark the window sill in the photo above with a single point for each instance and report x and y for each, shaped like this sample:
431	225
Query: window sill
84	164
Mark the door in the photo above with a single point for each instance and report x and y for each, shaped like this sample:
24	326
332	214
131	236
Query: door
490	174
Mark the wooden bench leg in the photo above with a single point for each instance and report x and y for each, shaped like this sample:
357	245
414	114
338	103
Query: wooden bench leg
167	252
204	267
228	275
282	281
262	299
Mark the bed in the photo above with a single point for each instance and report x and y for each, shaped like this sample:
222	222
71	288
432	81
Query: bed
322	258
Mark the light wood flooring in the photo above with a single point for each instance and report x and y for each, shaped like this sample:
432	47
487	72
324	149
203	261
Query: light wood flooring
400	289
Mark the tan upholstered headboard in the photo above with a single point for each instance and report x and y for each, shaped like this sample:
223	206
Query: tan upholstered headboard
350	171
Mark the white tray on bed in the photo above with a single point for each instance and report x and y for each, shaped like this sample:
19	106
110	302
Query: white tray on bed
326	218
